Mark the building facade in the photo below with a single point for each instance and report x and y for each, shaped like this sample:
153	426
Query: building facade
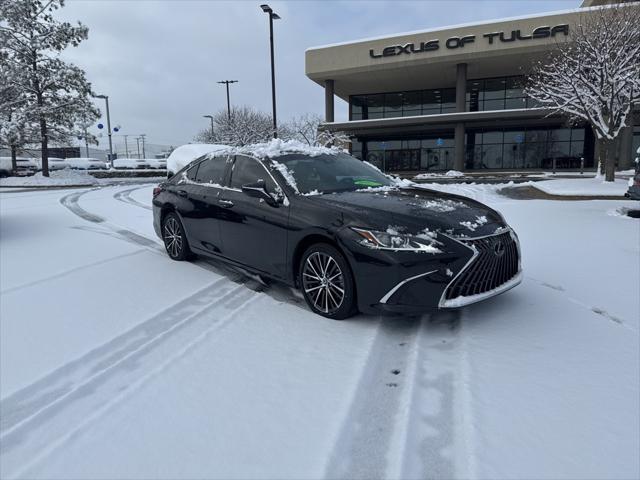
453	98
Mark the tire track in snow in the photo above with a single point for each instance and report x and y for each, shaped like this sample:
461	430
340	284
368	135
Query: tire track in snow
69	272
437	435
125	197
71	202
278	292
45	415
560	290
414	424
365	439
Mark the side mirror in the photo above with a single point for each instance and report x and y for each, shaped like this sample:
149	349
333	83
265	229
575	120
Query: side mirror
258	190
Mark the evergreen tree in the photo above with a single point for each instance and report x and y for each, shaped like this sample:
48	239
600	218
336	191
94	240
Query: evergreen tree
53	93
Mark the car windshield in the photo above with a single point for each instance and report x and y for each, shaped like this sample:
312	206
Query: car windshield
331	173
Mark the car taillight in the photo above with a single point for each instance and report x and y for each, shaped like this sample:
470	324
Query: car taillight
636	182
156	191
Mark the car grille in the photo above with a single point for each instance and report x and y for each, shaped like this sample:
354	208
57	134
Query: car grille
497	262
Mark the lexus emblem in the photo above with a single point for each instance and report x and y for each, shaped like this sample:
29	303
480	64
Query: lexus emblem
498	248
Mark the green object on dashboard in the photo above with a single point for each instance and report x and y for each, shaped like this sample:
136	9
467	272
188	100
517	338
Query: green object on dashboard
367	183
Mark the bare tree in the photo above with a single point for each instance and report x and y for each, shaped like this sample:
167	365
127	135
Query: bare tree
308	129
244	126
595	75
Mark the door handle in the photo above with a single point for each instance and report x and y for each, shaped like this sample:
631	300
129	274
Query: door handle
225	203
182	193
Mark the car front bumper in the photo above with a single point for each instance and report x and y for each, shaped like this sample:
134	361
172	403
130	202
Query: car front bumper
408	282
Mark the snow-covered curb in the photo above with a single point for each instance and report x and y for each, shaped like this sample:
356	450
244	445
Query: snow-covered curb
449	174
581	187
57	178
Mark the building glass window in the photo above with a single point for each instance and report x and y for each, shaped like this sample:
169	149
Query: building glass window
412	104
393	104
375	107
356	148
402	104
525	148
501	93
358	106
482	95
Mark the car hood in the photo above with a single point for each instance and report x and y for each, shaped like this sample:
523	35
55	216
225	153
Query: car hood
416	209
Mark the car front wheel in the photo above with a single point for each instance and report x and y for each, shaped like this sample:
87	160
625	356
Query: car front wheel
327	282
175	241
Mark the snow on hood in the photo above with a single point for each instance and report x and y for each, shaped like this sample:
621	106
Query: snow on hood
185	154
416	209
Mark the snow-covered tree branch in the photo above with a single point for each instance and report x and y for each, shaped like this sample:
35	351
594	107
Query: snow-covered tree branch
243	127
307	129
595	76
247	125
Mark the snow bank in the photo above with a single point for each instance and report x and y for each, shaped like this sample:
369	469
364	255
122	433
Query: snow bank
56	178
581	187
127	163
450	173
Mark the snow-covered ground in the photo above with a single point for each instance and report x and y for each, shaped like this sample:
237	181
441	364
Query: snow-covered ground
582	186
116	362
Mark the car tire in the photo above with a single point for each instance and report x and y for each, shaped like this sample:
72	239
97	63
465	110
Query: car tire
327	283
175	240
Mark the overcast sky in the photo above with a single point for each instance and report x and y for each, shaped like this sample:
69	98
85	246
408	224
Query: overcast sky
159	60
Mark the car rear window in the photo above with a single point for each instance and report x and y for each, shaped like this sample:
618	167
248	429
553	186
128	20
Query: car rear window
211	171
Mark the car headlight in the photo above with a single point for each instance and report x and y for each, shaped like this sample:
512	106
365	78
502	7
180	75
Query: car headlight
396	241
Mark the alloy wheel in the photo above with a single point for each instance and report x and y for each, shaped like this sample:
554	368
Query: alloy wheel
323	282
173	237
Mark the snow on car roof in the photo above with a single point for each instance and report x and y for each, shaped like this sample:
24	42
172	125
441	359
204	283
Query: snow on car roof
185	154
278	148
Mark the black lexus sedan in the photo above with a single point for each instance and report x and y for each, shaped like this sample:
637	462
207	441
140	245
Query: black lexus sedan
351	238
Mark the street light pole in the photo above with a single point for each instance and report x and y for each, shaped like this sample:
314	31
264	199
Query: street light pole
211	118
126	146
138	143
272	16
106	99
144	154
227	82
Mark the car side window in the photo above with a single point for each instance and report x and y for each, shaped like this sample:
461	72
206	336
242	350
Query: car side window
191	172
211	171
247	170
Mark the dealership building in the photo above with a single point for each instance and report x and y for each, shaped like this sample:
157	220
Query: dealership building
452	98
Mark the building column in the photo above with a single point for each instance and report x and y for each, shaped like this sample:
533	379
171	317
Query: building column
626	155
459	134
461	87
328	101
461	106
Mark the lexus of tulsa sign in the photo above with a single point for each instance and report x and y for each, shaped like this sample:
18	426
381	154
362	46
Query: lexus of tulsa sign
460	42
